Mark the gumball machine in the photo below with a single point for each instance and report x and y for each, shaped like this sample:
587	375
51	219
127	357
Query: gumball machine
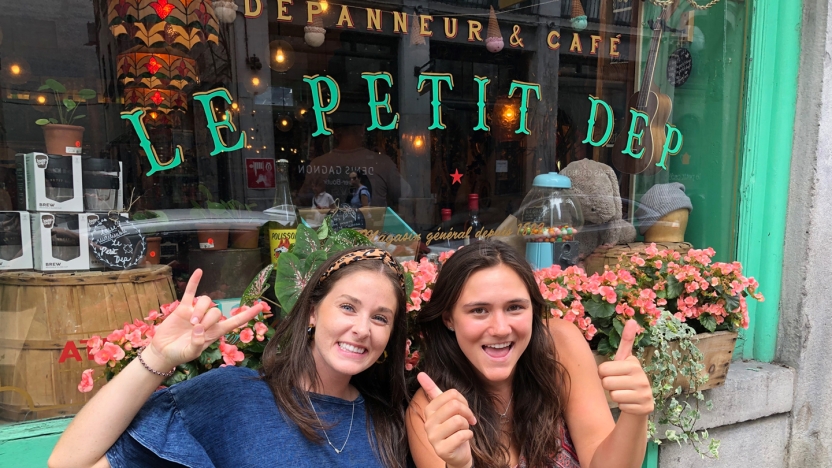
549	220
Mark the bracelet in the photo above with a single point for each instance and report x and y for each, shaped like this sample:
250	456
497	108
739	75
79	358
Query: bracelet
160	374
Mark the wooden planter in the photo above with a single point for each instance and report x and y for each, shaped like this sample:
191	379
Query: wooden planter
718	348
44	317
595	262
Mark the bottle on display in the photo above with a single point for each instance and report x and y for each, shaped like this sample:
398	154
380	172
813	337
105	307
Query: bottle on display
446	227
284	219
473	225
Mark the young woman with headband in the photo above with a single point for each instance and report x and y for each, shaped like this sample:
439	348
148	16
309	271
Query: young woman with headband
501	389
331	391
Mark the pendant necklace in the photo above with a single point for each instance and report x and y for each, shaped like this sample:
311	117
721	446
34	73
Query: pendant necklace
337	450
504	413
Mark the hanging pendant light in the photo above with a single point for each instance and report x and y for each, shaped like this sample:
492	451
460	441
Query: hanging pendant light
281	56
226	10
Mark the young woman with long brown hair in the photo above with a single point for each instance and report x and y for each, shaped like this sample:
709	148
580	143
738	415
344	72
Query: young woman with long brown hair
331	391
518	391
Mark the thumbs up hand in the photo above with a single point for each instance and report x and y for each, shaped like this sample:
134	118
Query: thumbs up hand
624	377
447	422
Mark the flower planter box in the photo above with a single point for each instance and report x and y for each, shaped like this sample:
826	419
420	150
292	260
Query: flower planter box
717	348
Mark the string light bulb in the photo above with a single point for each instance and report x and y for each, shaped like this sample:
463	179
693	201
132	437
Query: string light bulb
281	56
15	69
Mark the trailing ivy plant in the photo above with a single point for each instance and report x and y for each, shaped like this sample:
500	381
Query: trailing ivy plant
294	268
672	354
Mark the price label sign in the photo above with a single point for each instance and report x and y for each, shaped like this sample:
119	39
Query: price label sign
116	242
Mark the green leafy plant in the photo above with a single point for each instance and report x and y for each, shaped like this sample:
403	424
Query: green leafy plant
66	105
219	209
294	268
671	361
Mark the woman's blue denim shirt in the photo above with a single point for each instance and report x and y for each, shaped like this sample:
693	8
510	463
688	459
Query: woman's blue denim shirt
228	418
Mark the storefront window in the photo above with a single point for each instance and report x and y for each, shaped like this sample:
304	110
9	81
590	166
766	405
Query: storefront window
166	119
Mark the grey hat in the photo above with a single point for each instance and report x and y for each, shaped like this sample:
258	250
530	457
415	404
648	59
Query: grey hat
660	200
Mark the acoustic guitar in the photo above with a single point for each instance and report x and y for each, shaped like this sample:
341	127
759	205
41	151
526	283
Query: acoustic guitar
657	106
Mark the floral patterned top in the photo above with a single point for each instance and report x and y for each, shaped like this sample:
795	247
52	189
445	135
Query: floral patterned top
567	456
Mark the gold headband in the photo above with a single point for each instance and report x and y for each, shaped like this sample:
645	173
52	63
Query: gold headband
369	254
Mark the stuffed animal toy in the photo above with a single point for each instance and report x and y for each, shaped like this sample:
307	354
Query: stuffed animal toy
595	187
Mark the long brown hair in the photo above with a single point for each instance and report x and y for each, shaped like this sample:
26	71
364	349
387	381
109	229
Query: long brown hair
540	382
288	364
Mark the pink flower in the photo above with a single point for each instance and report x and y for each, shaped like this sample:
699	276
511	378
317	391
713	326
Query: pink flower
230	354
637	260
265	305
426	295
86	381
608	294
444	256
411	361
167	309
625	310
116	336
590	332
109	352
261	329
153	315
94	344
246	335
652	250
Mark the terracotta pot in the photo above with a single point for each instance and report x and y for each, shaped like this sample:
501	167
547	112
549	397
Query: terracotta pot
213	237
65	140
154	250
242	238
669	228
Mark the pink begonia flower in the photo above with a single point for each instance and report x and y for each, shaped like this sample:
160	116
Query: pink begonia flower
230	354
411	361
608	294
426	295
116	336
444	256
590	332
167	309
153	315
261	328
625	310
135	338
246	335
658	264
94	344
652	250
265	305
87	382
637	260
109	352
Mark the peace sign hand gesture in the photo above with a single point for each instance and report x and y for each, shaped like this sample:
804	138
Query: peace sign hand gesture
191	328
447	423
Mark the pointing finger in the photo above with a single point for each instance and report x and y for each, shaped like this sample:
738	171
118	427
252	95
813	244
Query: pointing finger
238	320
190	290
628	338
430	387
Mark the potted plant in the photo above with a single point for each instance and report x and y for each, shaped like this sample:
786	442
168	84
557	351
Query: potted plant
243	235
685	304
213	234
154	242
60	134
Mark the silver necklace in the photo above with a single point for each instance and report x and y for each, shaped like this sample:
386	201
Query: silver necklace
504	413
337	450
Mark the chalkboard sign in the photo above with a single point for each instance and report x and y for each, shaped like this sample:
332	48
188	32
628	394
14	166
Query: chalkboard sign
345	216
116	242
679	66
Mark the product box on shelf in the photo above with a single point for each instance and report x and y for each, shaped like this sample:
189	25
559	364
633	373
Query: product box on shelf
15	241
103	184
60	241
53	183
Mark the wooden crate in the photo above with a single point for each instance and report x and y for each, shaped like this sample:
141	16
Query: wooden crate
41	312
717	348
595	262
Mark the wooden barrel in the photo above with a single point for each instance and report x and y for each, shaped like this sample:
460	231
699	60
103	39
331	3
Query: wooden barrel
595	262
44	317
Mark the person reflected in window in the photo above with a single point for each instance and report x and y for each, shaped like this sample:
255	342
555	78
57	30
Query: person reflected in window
360	195
350	154
331	390
323	200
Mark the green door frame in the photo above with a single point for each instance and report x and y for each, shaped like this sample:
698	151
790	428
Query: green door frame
771	96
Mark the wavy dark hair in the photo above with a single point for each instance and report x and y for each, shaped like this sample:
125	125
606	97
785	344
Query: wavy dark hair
288	363
540	381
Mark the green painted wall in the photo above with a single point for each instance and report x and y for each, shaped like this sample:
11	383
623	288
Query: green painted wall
29	444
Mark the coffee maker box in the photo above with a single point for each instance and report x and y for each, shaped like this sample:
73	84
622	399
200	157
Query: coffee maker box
60	241
53	183
15	241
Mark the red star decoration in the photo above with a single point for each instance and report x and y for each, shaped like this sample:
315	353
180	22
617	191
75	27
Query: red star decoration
457	177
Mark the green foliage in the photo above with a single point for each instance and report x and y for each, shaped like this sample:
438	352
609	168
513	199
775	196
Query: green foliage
65	105
219	209
674	354
311	249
